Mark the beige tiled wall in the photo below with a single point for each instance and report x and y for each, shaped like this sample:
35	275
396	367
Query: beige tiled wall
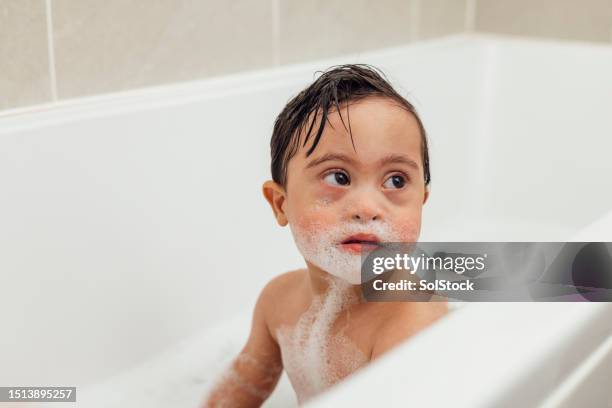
585	20
320	28
110	45
100	46
441	17
24	63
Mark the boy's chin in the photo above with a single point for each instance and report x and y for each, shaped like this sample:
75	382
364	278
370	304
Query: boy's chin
342	277
338	264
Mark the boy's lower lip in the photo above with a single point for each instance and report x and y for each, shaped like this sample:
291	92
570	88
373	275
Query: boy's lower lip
358	247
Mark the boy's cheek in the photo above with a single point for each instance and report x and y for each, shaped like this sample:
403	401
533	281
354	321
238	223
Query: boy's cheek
314	219
408	229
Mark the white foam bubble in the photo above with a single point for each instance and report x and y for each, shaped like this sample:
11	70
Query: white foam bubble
224	393
319	246
313	357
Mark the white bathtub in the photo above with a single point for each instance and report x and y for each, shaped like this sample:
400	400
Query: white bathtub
128	223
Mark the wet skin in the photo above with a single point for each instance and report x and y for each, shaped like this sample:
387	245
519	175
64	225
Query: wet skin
378	179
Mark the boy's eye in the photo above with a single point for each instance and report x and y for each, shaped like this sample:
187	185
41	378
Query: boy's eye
337	178
395	181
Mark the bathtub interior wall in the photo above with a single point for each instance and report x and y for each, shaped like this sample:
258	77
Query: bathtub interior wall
538	150
546	135
132	221
498	354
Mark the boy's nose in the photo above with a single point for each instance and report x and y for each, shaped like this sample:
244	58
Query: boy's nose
365	217
365	206
365	210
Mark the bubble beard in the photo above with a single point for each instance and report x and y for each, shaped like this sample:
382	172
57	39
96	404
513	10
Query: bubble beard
313	357
320	246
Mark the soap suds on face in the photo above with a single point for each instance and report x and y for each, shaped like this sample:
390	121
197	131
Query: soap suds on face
319	244
313	356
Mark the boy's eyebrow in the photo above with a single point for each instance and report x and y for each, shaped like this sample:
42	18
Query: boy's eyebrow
330	157
390	159
398	158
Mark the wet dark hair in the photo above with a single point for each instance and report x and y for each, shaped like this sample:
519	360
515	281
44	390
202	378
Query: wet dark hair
337	85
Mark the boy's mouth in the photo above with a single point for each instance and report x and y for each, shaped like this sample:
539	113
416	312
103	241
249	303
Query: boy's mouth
359	243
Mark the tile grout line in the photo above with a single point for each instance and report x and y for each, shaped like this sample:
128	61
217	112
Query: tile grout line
275	33
469	21
51	51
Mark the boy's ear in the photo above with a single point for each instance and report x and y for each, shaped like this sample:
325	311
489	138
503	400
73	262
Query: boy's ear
275	195
426	194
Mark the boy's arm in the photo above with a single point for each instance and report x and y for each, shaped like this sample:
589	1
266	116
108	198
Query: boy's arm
254	373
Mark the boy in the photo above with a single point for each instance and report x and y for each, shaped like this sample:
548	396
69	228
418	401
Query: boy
350	171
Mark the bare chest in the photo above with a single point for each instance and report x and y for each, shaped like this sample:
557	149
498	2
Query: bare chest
319	350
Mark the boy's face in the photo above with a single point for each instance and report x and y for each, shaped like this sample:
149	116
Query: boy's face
343	200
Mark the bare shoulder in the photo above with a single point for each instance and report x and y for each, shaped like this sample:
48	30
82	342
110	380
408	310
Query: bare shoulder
282	285
282	296
283	282
403	320
271	303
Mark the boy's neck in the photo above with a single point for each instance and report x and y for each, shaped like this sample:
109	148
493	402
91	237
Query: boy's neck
321	281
